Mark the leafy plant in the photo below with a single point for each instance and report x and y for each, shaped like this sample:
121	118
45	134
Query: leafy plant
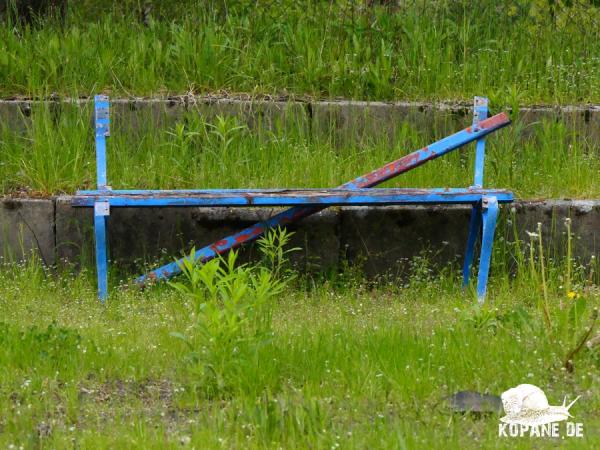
232	312
569	322
275	254
225	131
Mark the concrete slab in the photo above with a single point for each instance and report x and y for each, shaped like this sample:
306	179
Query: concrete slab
342	121
382	240
386	240
585	225
351	122
258	115
26	226
156	235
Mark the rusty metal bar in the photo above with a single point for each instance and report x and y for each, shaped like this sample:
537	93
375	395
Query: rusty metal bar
378	176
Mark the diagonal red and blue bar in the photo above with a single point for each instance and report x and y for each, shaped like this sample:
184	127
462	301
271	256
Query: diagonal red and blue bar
378	176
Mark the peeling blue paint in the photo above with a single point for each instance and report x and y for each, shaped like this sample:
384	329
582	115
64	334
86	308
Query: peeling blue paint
306	201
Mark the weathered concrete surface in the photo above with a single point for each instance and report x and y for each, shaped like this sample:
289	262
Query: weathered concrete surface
351	121
26	226
380	240
386	239
341	120
138	115
160	234
552	214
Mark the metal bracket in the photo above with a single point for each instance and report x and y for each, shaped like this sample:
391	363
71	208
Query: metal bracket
101	209
480	109
102	115
102	129
102	112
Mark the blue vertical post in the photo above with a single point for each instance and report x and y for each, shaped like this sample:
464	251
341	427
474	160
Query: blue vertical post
102	125
101	209
480	112
474	227
489	215
101	212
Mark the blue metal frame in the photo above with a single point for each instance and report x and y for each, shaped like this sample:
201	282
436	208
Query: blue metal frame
306	201
102	119
300	197
483	213
489	215
100	231
480	112
101	207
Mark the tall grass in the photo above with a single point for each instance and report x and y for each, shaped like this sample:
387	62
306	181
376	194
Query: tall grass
55	154
415	50
49	154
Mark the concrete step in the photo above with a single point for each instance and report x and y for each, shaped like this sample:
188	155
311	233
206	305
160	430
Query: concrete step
379	239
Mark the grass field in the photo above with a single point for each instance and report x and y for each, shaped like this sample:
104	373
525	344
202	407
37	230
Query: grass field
56	154
247	358
258	356
530	51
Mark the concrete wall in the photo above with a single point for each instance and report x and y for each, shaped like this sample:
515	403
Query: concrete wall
27	225
380	240
343	121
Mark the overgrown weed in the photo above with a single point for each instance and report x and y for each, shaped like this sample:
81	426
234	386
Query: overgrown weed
232	316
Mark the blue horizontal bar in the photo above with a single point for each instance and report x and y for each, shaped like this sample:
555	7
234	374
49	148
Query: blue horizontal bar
281	191
286	197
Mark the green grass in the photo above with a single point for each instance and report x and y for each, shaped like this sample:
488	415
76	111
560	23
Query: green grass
347	365
529	51
343	362
514	52
55	153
